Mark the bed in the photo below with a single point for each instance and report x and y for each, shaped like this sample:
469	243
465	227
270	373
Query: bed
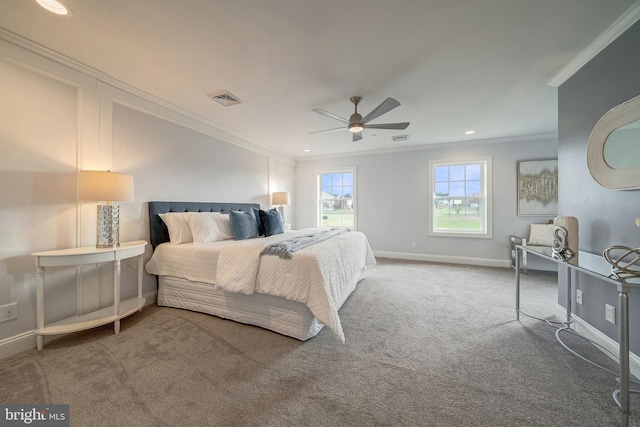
296	297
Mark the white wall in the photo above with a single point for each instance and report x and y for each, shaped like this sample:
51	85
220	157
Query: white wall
392	199
58	117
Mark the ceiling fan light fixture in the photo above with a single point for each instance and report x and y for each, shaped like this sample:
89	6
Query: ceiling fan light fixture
55	6
357	123
356	127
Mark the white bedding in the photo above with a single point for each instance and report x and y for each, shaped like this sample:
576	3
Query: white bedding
316	276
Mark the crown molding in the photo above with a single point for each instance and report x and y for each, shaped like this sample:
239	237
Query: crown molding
38	49
622	24
434	146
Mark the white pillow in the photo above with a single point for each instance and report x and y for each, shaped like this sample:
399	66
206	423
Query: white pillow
179	229
209	227
224	225
541	235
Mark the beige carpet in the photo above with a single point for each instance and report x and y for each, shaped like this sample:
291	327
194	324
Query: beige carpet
427	345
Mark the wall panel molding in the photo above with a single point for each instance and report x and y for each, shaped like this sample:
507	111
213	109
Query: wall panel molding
85	136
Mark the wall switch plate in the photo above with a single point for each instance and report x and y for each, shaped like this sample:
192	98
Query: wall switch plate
610	313
8	312
579	296
414	244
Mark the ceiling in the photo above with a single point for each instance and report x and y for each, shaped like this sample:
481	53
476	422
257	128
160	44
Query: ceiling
453	65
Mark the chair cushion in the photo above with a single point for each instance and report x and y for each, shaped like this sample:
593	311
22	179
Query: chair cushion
541	235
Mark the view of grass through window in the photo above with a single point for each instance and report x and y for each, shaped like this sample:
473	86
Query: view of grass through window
336	199
458	197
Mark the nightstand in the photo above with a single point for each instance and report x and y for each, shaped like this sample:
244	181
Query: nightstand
89	255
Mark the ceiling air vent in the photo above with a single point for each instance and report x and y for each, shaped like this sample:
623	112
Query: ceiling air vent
400	138
225	98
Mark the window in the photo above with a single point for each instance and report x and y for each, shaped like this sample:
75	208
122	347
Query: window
336	198
460	203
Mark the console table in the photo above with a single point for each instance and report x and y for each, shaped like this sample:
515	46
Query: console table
88	255
595	266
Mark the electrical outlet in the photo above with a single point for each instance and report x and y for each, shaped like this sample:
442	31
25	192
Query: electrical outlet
579	296
414	244
9	312
610	313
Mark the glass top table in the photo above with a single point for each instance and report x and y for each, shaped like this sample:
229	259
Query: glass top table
598	267
585	262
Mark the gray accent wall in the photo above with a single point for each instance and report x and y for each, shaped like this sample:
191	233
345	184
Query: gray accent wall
606	217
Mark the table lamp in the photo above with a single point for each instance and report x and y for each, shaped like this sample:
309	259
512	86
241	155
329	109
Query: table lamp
106	187
279	199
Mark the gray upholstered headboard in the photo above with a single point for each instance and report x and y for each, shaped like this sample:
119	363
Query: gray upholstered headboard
158	230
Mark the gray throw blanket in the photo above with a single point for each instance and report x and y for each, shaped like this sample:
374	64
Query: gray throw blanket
285	248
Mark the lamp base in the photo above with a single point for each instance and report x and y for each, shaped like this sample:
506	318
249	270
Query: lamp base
107	230
280	210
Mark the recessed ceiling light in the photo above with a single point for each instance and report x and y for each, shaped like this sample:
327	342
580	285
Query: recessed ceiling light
306	151
55	6
470	132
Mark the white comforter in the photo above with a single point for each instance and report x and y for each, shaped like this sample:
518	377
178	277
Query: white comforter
315	276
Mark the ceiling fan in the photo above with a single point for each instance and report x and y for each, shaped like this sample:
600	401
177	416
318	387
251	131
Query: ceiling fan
356	123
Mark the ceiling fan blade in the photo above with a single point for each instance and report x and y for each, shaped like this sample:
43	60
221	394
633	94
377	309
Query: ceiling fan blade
402	125
327	130
386	106
328	114
357	136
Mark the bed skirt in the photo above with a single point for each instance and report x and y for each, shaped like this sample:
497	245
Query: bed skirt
285	317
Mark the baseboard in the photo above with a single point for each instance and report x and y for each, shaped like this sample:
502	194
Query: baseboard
589	332
150	297
27	340
449	259
17	343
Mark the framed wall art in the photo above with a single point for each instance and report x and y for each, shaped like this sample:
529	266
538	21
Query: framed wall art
538	187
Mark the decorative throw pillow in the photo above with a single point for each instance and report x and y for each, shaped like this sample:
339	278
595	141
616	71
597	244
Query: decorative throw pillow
541	235
271	222
243	225
223	223
178	226
256	214
209	227
203	228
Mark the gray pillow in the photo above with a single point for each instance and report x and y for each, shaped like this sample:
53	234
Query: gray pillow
243	225
256	213
271	222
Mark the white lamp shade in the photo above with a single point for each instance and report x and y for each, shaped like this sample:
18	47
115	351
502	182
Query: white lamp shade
101	186
280	198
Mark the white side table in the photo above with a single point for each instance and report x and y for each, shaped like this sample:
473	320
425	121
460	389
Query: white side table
89	255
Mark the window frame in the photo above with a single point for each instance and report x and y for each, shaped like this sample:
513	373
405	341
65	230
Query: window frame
486	185
345	169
